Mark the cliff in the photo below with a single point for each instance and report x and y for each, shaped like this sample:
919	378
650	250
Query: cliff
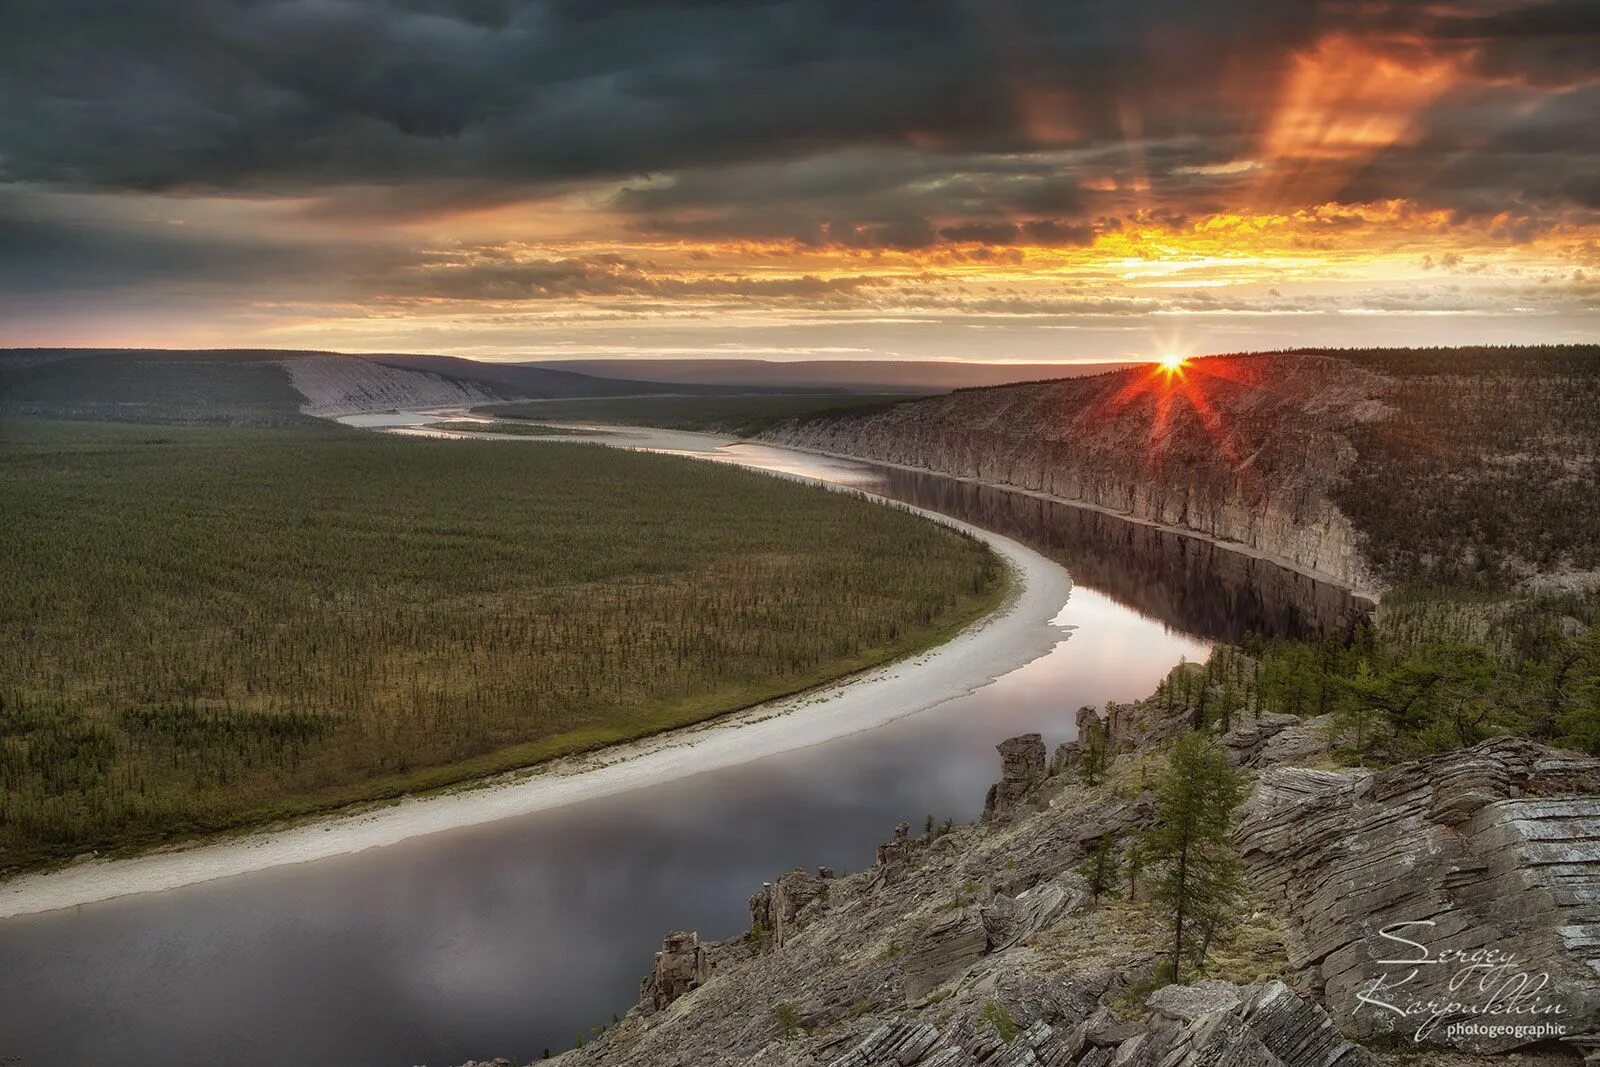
1244	450
1371	468
984	944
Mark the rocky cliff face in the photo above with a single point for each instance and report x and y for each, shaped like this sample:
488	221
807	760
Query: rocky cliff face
983	945
1241	449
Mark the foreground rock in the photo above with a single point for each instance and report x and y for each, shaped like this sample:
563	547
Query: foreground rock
1483	866
981	945
1265	1026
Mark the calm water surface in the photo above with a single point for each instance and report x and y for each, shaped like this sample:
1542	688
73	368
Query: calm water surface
518	936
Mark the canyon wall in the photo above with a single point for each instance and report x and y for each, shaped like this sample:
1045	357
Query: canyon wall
1244	450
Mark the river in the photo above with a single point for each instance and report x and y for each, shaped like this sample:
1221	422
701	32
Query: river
513	937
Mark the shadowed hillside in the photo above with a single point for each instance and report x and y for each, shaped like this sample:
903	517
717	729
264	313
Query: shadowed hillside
267	386
1467	466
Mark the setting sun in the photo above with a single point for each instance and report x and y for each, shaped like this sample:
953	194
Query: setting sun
1173	364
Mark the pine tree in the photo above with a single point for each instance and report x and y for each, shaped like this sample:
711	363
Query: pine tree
1190	844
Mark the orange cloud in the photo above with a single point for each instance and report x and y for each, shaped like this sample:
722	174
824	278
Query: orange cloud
1341	103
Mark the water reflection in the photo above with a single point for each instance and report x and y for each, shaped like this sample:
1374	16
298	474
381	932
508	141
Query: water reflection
512	937
1186	582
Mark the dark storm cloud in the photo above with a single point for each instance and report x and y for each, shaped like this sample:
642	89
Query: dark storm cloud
892	123
51	253
608	276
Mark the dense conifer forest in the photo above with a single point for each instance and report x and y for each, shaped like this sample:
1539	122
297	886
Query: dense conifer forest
1484	470
206	627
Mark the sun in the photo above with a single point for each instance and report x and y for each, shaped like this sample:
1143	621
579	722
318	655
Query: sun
1173	364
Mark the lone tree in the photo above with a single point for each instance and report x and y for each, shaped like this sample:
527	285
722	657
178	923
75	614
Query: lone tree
1101	868
1189	843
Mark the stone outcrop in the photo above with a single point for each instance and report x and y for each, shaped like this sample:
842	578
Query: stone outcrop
681	966
1253	465
1022	768
775	910
980	945
894	856
1493	851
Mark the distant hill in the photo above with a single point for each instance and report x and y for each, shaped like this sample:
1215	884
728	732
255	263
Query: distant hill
262	386
1469	466
553	381
859	375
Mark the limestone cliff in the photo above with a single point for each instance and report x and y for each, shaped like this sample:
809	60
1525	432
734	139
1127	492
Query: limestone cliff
1245	450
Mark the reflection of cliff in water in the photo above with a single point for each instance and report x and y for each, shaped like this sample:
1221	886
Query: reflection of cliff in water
1191	585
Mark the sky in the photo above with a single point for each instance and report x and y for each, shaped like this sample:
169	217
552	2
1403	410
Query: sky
962	179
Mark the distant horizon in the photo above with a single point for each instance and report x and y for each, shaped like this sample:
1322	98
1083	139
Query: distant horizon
733	357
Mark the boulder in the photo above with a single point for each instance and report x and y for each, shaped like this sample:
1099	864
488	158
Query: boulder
1186	1003
1300	742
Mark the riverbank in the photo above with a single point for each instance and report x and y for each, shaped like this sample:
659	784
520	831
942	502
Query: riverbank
1023	628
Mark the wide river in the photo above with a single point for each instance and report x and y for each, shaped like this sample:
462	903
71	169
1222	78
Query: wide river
509	938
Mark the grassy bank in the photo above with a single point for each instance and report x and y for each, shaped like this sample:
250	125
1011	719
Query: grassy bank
740	416
211	627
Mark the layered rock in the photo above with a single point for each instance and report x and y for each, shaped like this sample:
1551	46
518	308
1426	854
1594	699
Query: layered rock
1214	1023
1483	866
775	910
981	945
681	966
1243	450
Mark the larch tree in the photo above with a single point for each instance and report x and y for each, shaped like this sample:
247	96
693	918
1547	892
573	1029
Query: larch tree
1189	844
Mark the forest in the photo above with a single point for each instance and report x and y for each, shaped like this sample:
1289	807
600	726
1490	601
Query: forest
1431	672
739	416
207	627
1485	470
197	388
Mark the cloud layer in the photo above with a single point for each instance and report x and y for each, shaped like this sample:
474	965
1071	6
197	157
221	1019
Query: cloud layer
448	158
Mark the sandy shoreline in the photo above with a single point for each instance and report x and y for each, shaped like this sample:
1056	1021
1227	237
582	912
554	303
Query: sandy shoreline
1021	630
